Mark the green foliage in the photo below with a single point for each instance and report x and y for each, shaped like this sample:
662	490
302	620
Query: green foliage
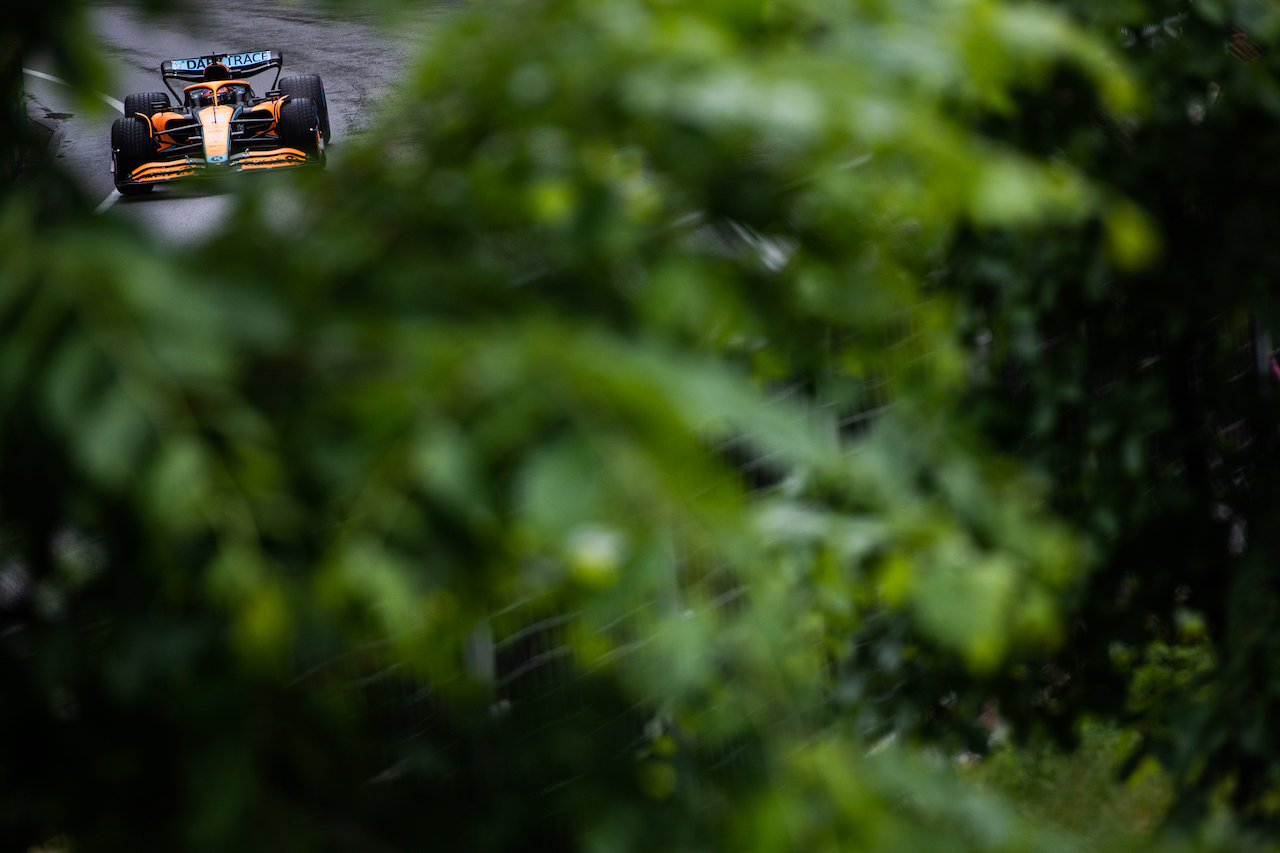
1146	397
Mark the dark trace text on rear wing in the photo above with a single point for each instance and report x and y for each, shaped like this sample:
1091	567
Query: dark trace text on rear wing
239	64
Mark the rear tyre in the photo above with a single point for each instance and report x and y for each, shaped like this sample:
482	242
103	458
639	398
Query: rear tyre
308	86
300	126
131	146
140	104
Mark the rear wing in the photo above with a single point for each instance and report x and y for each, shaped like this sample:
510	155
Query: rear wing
239	64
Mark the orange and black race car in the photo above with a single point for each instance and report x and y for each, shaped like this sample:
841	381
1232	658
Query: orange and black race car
219	123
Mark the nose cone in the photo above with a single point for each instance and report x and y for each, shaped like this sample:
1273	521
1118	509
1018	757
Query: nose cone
216	124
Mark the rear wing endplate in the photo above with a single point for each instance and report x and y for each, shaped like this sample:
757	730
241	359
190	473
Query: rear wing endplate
239	64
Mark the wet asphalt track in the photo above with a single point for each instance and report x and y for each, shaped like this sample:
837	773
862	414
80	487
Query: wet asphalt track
357	55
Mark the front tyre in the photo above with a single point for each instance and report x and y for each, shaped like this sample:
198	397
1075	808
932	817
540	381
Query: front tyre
131	146
300	126
308	86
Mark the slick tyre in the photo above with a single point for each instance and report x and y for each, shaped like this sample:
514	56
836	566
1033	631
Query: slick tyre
308	86
140	104
300	126
131	146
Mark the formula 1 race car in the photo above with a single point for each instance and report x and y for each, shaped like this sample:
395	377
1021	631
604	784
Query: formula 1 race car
219	123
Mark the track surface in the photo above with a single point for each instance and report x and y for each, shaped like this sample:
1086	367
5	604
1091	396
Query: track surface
357	58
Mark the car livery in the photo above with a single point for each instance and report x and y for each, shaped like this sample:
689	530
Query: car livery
219	122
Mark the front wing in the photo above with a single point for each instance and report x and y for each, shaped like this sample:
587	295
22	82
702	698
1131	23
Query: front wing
160	171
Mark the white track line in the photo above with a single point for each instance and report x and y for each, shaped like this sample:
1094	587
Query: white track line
107	202
111	102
